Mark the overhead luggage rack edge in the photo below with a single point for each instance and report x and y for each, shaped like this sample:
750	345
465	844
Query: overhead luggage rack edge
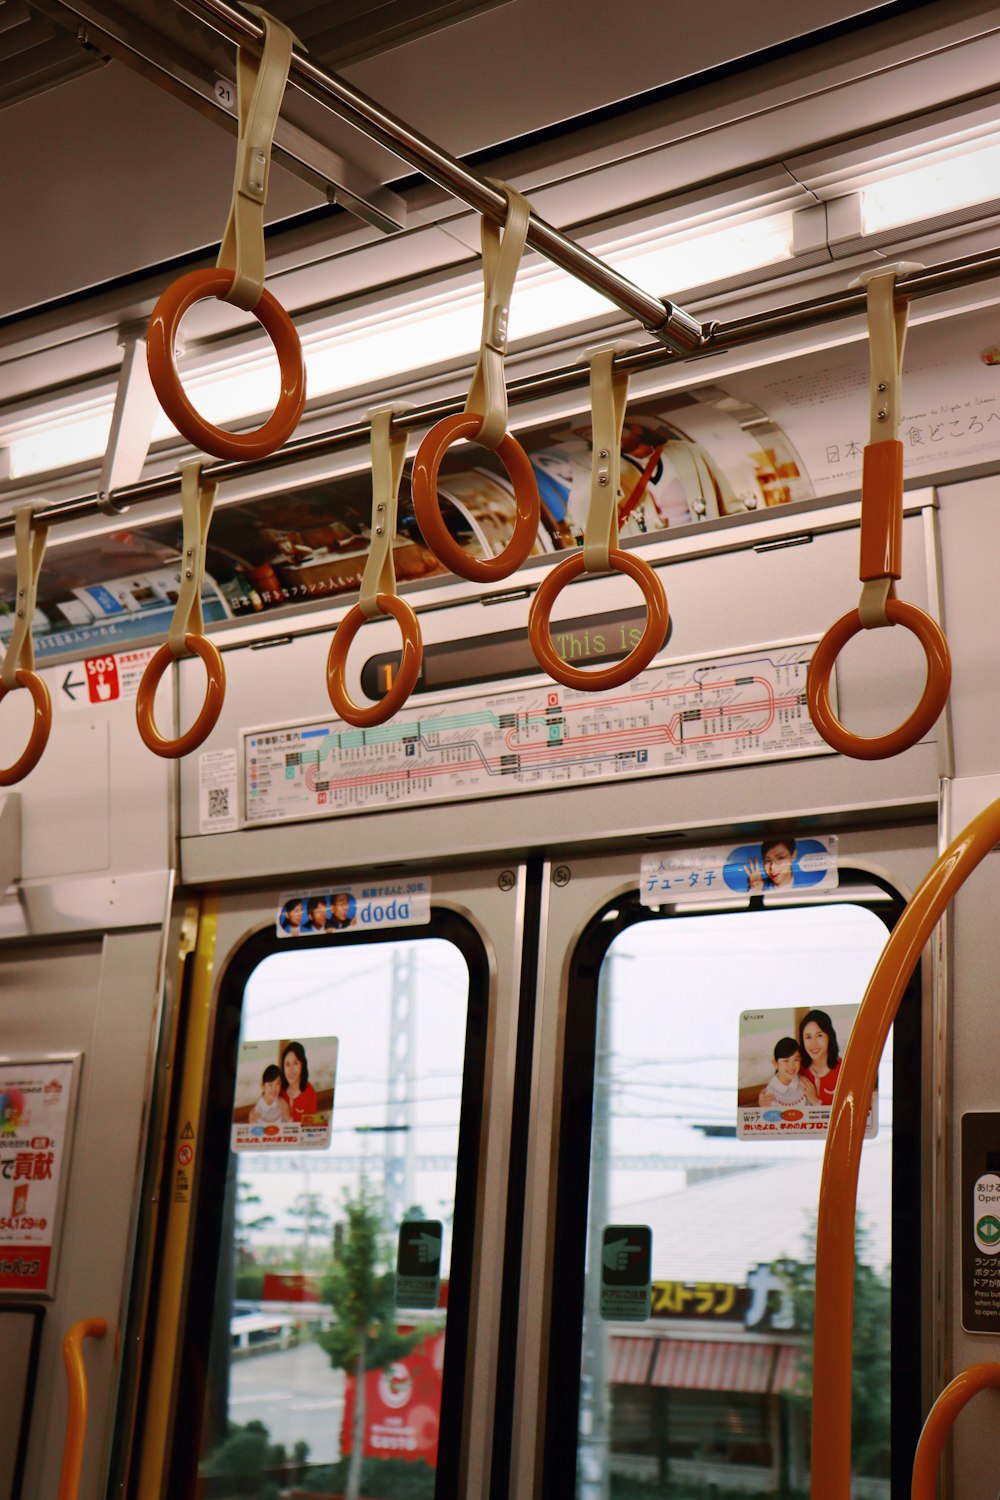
945	276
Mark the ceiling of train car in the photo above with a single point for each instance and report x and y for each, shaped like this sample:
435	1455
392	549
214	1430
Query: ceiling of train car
95	142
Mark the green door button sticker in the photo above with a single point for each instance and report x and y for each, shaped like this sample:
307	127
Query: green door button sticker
986	1213
988	1229
626	1272
418	1263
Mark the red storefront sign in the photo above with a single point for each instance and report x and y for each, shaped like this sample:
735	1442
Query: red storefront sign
403	1406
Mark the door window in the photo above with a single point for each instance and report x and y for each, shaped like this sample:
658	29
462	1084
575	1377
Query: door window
321	1374
709	1394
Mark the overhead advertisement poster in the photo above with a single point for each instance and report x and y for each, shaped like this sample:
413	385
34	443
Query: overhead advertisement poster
36	1104
789	1064
780	864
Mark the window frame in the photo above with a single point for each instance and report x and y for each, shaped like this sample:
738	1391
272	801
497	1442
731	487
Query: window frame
575	1113
218	1167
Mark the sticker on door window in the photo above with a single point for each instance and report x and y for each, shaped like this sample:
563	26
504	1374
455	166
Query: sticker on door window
782	864
789	1064
284	1094
626	1273
418	1263
355	908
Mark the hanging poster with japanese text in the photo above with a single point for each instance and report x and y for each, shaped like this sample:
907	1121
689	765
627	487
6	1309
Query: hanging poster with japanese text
284	1094
780	864
789	1063
37	1100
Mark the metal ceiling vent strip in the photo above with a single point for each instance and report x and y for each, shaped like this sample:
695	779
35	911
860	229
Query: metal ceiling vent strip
36	55
335	35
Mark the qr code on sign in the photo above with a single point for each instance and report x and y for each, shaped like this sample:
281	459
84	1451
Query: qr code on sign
218	802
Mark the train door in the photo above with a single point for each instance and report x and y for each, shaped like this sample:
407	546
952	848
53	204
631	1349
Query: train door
281	1346
665	1317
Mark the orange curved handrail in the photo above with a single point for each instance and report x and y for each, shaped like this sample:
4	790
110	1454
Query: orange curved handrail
940	1421
834	1301
76	1420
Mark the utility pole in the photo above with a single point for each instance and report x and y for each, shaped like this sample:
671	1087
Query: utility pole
593	1471
399	1156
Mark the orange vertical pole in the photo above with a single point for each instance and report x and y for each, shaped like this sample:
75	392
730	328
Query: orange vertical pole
834	1325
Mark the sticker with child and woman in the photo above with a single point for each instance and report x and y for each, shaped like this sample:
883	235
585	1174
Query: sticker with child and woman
789	1063
284	1094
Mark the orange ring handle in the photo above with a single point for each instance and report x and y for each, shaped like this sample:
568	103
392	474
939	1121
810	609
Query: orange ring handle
427	506
206	721
181	295
834	1298
940	1421
642	653
76	1418
406	677
40	727
923	717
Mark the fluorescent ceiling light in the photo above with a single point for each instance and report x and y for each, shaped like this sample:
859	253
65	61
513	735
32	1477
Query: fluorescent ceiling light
938	187
443	327
61	441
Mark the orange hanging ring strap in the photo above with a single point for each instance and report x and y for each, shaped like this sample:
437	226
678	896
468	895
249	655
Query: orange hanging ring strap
76	1417
239	274
187	628
378	586
18	669
881	564
940	1421
484	419
600	552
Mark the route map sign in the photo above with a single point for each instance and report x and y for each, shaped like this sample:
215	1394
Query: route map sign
681	717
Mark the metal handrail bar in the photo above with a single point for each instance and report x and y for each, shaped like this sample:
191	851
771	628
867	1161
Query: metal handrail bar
671	324
796	316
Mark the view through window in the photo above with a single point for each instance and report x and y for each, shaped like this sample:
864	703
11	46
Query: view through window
325	1385
708	1396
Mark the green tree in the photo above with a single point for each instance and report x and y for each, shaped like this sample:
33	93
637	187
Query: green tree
309	1217
870	1365
246	1221
360	1288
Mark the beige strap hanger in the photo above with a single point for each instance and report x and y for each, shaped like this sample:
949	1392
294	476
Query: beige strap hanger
501	258
608	397
887	323
197	502
29	548
388	450
260	87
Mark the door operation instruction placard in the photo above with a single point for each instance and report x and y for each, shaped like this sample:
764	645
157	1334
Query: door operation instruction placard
686	716
980	1219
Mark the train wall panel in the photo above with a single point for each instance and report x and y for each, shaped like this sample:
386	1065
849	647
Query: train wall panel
733	600
970	544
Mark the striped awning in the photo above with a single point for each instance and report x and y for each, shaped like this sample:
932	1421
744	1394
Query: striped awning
630	1360
786	1369
703	1365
